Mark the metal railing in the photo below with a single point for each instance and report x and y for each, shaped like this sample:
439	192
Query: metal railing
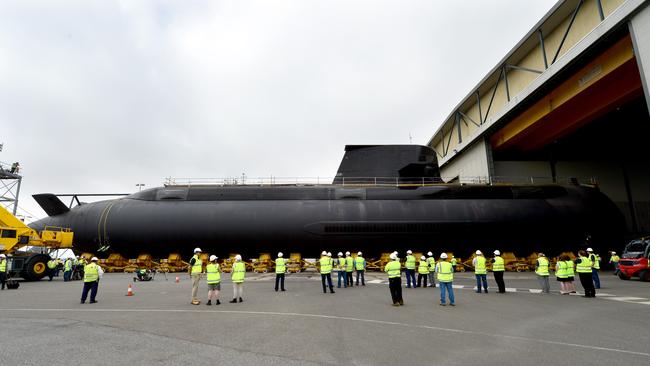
376	181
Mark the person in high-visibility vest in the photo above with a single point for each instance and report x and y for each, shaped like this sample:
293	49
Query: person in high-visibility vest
280	269
445	272
3	271
498	269
360	266
340	268
562	273
423	271
51	268
325	262
410	269
432	268
213	276
238	276
349	268
542	272
394	271
480	271
595	267
583	267
91	281
571	272
67	270
196	269
454	262
613	260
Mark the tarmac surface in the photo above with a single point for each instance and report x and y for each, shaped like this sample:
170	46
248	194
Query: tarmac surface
43	323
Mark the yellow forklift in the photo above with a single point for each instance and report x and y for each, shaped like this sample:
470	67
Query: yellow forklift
14	235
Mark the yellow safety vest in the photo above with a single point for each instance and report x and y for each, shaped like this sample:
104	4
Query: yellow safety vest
91	274
498	265
570	269
349	264
432	264
3	266
542	266
595	260
584	266
480	265
393	268
325	265
340	266
51	264
280	265
615	259
445	271
410	262
238	272
213	276
423	267
68	266
454	262
561	269
360	263
197	268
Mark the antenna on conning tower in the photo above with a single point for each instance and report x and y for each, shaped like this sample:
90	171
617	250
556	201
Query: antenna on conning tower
410	138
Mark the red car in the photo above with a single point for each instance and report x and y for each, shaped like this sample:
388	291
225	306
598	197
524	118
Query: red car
634	261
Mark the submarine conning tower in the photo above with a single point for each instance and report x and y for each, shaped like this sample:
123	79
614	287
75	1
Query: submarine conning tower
388	164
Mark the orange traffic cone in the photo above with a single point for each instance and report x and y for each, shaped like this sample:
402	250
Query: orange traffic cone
178	279
129	292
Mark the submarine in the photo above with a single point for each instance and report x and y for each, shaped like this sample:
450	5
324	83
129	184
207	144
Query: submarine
383	198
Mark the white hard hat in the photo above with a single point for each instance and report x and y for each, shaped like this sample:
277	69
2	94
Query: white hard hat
197	250
94	259
590	250
613	252
443	256
213	258
3	256
497	252
279	254
323	253
430	254
359	253
541	255
478	252
347	253
238	257
393	256
340	254
329	254
409	251
423	257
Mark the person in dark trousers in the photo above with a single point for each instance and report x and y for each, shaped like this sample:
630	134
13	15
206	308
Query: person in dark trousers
91	281
326	270
393	269
360	265
498	268
280	269
423	271
583	267
349	268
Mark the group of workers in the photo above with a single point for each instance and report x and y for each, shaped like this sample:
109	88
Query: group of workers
213	277
345	267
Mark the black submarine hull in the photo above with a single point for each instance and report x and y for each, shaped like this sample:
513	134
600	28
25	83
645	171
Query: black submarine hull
250	220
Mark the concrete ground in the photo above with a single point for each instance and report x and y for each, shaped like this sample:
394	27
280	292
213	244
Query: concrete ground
42	323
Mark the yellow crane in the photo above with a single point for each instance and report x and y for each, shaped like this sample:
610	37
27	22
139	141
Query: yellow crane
14	235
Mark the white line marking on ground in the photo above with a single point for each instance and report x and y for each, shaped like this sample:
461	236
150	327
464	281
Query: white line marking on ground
511	289
602	294
374	281
643	302
535	290
624	298
320	316
457	286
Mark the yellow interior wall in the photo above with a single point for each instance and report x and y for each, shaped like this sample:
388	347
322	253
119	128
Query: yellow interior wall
586	20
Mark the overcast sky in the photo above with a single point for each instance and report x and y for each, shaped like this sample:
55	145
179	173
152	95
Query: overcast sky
96	96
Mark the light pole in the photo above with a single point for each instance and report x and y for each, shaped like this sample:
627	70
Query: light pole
139	185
